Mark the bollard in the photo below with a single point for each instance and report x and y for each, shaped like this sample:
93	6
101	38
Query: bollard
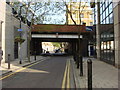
74	58
77	61
35	56
89	62
81	66
8	61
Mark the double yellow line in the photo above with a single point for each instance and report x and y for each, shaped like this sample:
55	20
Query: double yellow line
66	78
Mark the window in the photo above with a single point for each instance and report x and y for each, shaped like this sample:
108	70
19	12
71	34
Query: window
74	15
91	15
91	23
111	18
110	8
107	43
107	20
82	15
106	2
107	12
104	15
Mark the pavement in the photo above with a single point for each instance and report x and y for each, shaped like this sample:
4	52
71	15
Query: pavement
103	75
14	65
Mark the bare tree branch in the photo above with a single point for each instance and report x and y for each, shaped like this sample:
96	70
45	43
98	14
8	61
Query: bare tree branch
68	11
79	11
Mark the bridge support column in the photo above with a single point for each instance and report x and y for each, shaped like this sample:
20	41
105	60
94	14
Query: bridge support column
40	45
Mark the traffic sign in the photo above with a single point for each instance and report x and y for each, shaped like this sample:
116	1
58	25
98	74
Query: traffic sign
20	30
89	28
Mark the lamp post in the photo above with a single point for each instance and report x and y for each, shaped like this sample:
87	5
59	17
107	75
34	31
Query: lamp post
20	30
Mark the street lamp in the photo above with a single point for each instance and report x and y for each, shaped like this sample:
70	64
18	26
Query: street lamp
20	30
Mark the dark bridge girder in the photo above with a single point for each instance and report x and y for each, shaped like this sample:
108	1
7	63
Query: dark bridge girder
55	39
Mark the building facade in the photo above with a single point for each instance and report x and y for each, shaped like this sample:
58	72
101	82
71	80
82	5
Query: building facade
9	26
86	13
107	31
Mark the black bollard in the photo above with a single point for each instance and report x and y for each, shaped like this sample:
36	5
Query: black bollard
77	61
89	62
35	56
74	57
81	66
8	61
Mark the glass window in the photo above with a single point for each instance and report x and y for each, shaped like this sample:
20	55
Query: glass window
104	21
111	35
91	23
111	18
107	20
103	7
102	46
110	8
108	45
105	45
103	15
106	3
112	45
101	18
101	11
110	1
107	12
82	15
91	15
101	4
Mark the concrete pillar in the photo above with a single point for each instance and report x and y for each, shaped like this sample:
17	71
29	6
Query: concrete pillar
73	47
98	31
116	11
40	45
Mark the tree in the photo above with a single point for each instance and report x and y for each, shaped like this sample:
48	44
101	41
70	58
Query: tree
44	12
69	11
38	13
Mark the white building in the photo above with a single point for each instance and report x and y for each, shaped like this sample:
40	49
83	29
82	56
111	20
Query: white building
9	26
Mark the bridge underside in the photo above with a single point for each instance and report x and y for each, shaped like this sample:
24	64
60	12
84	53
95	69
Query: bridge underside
36	45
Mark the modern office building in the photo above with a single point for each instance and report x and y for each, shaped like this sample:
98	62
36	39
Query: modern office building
85	11
107	18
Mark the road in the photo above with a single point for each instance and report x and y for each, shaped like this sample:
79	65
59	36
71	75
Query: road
50	73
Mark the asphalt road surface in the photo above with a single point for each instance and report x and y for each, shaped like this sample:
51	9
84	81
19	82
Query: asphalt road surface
45	74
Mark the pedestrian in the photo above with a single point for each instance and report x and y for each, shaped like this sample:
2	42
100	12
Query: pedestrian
1	54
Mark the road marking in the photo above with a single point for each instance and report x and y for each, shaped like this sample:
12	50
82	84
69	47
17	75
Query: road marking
66	78
65	75
20	70
36	71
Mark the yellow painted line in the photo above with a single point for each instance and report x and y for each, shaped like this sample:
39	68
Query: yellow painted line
65	75
68	76
20	70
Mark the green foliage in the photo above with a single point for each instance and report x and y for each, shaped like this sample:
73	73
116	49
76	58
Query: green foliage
19	39
56	44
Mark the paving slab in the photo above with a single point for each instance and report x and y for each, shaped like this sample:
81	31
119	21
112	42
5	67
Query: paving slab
103	75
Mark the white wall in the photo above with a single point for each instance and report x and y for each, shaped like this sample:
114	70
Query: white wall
8	32
2	18
116	11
